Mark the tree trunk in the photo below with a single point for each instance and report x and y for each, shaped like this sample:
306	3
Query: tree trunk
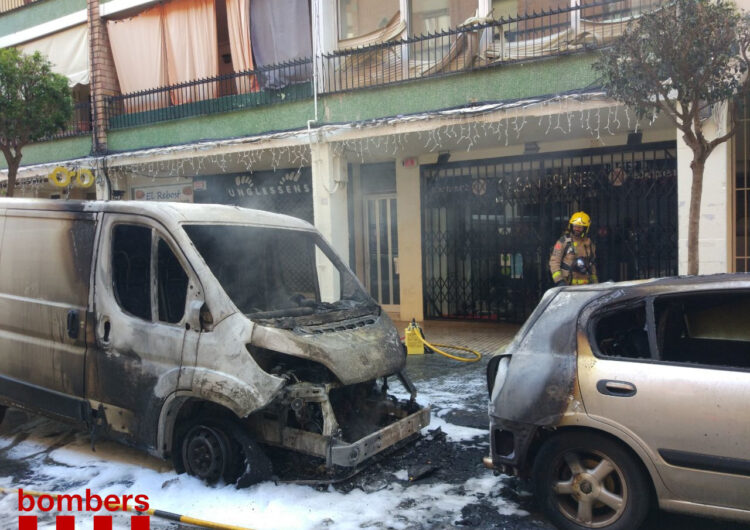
13	165
696	191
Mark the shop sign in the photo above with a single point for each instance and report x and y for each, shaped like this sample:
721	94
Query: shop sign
171	192
287	191
284	183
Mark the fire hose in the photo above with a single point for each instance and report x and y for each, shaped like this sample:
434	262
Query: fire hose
414	335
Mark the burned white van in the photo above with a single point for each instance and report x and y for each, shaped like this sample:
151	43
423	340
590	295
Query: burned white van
200	333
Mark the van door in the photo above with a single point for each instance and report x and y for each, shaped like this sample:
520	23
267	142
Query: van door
144	286
44	295
681	389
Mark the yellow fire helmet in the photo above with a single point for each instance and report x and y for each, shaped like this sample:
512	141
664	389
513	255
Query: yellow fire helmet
580	219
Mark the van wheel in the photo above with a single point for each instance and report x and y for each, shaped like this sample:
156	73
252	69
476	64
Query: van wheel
2	412
585	480
213	450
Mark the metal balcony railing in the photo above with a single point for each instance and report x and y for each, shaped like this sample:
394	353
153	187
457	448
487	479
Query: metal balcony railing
79	124
10	5
291	81
485	44
474	46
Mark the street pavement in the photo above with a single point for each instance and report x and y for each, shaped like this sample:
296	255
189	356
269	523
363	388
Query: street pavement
437	482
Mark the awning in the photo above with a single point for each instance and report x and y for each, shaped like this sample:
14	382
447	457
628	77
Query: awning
67	50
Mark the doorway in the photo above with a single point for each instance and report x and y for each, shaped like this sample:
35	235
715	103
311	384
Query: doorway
381	250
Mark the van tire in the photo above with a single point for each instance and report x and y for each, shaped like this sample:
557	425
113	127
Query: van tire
213	450
568	496
2	412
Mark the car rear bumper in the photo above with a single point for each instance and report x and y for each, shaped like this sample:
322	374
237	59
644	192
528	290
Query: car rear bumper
509	446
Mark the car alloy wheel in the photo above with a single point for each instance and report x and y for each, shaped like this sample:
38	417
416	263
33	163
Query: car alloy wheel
590	481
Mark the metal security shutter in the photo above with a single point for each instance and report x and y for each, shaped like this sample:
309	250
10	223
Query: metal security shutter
488	225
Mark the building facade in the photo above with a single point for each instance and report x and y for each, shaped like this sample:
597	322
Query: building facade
440	145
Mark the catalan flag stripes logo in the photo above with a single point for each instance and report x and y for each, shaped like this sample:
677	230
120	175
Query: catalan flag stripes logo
101	522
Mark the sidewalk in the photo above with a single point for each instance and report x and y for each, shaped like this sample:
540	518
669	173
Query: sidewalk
456	391
485	337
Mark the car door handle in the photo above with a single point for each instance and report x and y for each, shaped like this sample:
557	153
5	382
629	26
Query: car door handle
73	323
104	329
609	387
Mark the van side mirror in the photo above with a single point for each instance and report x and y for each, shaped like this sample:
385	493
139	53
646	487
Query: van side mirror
199	316
206	318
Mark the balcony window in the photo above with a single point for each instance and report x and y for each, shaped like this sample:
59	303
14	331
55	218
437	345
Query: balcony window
431	16
360	17
67	52
504	8
189	57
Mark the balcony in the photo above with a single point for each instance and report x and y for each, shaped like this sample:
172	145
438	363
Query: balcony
475	45
79	125
280	83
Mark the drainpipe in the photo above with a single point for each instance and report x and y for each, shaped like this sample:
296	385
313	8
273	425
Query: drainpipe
316	26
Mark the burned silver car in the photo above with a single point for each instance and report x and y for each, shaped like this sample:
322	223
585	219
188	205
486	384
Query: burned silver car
617	395
197	332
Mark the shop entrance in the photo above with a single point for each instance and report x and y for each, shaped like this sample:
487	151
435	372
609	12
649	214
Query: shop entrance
488	225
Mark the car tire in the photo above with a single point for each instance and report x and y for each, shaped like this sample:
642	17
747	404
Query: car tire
214	450
585	480
2	412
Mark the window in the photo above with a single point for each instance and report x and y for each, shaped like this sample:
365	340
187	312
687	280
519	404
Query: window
623	333
431	16
172	285
131	269
131	275
360	17
278	271
709	329
504	8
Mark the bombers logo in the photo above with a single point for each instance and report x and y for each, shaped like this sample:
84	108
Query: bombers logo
88	504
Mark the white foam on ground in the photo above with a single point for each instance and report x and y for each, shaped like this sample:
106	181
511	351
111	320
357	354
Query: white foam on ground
62	463
117	470
268	505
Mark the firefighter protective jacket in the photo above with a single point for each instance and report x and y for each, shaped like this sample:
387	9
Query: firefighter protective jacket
566	251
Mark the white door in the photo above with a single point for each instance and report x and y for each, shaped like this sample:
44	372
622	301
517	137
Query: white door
381	250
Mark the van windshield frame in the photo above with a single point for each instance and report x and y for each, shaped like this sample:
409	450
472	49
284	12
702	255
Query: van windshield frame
276	272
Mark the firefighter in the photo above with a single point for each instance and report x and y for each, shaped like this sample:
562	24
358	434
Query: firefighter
574	255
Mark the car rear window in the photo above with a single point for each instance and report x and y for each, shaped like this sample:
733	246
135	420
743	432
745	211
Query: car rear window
709	329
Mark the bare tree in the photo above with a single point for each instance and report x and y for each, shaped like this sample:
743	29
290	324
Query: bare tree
34	103
681	60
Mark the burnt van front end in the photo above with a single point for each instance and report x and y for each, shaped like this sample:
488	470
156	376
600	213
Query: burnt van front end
310	361
201	333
